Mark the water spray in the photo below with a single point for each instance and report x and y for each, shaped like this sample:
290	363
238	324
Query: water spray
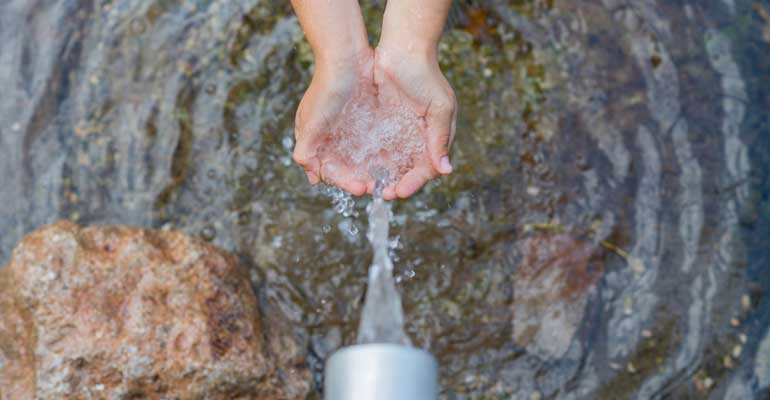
383	365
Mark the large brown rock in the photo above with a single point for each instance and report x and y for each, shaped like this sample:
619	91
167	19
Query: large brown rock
126	313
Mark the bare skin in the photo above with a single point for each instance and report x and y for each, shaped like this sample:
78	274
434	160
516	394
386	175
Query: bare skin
403	68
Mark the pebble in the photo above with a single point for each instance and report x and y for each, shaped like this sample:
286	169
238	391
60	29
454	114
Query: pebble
746	302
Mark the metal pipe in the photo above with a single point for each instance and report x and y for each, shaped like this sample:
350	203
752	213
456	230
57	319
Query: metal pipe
381	371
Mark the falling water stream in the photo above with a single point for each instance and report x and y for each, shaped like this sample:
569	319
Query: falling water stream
604	235
382	319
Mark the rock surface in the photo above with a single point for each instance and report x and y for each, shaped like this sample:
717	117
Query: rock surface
127	313
551	291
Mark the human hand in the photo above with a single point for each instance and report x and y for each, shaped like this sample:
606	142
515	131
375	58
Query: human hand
415	80
335	84
370	116
365	112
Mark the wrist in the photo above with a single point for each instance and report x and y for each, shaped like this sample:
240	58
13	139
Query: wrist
405	46
340	54
414	28
396	57
340	71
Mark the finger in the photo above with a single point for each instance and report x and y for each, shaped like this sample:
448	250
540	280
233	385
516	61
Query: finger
371	186
440	119
337	174
311	164
312	177
305	149
414	180
309	127
389	192
452	128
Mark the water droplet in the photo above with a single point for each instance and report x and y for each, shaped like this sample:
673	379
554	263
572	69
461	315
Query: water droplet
288	143
533	190
327	228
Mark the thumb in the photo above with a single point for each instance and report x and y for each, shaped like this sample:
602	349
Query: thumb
441	125
307	132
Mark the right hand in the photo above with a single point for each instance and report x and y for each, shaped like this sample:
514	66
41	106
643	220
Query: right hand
333	85
414	79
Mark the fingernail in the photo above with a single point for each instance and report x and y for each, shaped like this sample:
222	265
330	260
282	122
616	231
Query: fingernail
446	167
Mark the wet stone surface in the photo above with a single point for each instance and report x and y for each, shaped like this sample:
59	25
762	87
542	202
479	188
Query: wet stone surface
114	312
635	132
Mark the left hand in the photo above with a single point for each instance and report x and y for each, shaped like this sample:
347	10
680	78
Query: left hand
334	85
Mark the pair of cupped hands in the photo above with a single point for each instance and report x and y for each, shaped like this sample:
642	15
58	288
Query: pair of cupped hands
395	76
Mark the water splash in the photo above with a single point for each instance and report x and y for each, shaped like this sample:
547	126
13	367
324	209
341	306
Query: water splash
382	320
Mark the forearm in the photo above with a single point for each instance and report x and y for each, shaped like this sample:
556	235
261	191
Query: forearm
334	28
414	26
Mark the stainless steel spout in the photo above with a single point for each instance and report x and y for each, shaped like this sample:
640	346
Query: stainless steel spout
381	371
